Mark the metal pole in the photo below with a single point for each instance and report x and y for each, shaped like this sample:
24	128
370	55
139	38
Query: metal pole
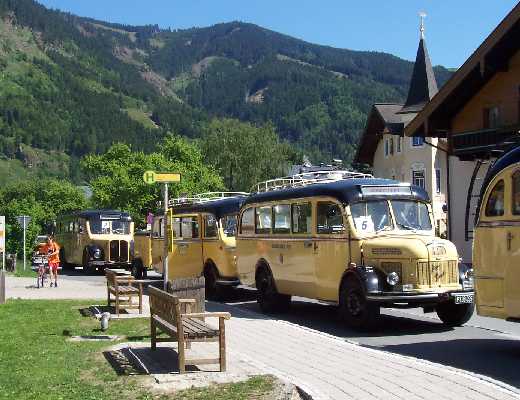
165	235
24	226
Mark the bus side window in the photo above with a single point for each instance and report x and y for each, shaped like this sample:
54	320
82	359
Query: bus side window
263	219
282	218
330	218
301	218
190	227
82	226
210	226
516	193
247	222
495	202
177	228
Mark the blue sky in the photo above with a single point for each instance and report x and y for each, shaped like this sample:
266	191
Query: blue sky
454	29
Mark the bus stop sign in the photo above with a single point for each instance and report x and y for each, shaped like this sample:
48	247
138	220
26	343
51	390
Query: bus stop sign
151	177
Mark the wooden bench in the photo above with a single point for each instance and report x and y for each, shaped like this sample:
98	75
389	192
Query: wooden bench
185	327
123	290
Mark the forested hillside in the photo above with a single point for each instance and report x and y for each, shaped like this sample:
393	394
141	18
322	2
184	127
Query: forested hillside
75	86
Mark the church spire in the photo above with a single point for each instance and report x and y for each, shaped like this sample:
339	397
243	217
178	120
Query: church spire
423	85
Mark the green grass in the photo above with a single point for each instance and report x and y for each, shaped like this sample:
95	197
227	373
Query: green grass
27	273
38	362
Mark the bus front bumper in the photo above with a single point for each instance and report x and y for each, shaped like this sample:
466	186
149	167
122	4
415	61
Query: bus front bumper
414	298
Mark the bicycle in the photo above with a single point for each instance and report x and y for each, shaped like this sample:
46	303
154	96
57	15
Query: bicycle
43	271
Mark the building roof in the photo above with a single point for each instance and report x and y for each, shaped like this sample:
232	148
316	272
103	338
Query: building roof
393	118
219	208
491	56
423	85
346	191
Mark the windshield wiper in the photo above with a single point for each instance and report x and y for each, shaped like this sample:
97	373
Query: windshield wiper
407	227
384	228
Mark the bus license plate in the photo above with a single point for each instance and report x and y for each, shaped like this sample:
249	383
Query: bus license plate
463	298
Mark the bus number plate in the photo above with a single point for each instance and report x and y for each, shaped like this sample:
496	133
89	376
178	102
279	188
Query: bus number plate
463	298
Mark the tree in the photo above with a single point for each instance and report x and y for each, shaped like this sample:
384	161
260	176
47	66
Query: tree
116	177
245	154
42	200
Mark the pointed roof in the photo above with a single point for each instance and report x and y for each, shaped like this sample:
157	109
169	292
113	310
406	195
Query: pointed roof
423	85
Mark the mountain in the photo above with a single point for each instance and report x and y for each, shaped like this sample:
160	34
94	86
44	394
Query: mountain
75	85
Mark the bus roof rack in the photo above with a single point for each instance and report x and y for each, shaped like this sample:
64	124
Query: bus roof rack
308	178
204	198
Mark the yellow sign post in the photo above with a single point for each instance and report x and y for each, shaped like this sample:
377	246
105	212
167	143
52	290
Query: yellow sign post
151	177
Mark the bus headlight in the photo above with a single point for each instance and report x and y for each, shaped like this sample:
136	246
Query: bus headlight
97	253
392	278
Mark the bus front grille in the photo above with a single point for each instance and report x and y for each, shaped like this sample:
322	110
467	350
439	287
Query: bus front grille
118	250
437	273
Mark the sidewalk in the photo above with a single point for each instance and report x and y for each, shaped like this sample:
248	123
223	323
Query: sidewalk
327	367
25	288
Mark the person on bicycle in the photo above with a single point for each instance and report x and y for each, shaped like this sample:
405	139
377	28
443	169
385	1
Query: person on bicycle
52	249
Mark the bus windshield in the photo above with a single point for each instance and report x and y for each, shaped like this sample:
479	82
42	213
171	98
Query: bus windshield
106	227
374	216
229	224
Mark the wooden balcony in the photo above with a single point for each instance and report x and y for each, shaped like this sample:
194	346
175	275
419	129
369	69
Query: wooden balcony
484	143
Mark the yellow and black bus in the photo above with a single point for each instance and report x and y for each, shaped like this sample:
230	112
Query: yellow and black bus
95	239
352	240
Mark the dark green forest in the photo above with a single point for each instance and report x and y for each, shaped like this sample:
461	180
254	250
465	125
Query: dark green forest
76	86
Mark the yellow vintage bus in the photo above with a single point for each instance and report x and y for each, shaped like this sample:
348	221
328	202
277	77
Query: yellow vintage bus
95	239
203	232
352	240
496	245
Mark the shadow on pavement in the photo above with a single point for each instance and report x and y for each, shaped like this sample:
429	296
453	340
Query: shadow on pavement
325	318
495	358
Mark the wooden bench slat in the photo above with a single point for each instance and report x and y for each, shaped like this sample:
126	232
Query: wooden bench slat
203	327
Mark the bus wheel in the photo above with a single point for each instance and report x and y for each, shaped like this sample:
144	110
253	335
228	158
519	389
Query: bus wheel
137	269
452	314
213	292
86	268
269	299
354	309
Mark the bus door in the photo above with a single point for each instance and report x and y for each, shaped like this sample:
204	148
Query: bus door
512	236
157	243
186	254
297	253
492	248
330	249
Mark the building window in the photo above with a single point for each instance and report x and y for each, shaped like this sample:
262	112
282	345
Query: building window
438	180
495	202
386	148
391	145
491	117
417	141
399	144
418	178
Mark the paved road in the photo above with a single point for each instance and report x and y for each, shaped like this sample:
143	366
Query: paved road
484	346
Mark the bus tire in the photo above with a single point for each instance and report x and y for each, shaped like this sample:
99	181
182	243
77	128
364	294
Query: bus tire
452	314
213	291
63	261
84	263
354	308
269	299
137	269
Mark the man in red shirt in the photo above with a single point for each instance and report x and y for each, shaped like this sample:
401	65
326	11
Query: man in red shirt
53	255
